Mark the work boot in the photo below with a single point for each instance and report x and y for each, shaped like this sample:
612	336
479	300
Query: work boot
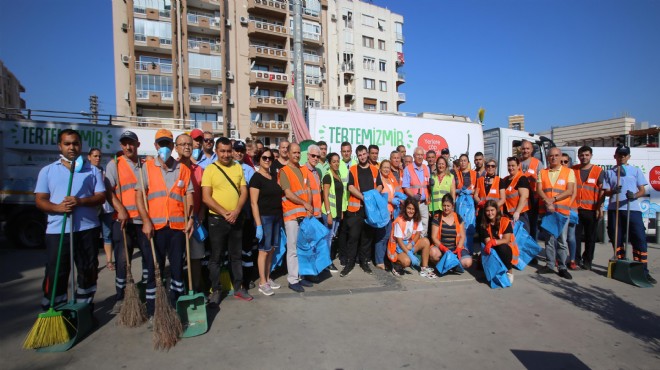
365	267
347	269
651	279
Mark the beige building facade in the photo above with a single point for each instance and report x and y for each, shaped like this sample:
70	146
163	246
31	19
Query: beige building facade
10	92
517	122
603	133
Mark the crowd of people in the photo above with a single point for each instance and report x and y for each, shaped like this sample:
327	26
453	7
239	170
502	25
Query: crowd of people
249	196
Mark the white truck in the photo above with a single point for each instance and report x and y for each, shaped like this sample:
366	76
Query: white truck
28	145
391	130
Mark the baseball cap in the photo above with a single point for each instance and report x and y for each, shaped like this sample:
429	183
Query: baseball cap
239	146
196	133
164	135
622	149
444	151
128	135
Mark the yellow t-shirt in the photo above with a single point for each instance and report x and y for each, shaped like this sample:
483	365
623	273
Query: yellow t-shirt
223	192
554	175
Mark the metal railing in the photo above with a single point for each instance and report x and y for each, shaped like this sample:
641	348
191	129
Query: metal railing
143	38
196	45
165	68
271	27
144	94
402	96
312	12
347	67
271	76
143	10
196	72
312	58
311	36
197	98
196	18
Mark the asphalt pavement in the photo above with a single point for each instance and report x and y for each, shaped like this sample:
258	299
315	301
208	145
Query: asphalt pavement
368	322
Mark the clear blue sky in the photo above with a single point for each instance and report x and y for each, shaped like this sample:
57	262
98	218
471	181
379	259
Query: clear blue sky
558	62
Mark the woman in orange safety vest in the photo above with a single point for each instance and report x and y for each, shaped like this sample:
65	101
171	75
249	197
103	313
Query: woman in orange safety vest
496	233
406	240
448	234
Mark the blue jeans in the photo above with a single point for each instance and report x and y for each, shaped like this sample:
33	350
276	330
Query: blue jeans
382	237
332	230
570	238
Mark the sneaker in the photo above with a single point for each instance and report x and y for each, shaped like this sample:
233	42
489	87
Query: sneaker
215	297
651	279
510	276
273	284
427	273
251	285
396	272
306	283
573	266
117	307
266	289
242	294
545	270
333	268
365	267
565	274
296	287
586	265
347	270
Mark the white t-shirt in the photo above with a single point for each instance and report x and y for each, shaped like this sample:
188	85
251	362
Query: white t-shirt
398	233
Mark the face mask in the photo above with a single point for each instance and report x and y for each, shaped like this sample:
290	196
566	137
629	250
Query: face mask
164	153
77	163
196	153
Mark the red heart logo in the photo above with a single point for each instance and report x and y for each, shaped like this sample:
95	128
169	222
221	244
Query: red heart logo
654	178
432	142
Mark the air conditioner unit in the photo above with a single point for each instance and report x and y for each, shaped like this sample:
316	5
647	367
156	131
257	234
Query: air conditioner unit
233	134
333	18
227	22
230	75
127	97
124	27
125	59
244	21
230	101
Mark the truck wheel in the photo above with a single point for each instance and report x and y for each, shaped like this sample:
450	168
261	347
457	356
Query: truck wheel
28	229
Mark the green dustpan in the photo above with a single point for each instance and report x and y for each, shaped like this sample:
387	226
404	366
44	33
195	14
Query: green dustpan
79	317
192	311
630	272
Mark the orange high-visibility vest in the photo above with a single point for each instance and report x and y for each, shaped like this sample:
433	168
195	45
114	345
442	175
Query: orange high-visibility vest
292	211
461	182
459	229
563	206
391	244
513	196
417	183
125	187
166	206
315	187
353	202
504	223
494	192
531	173
587	192
390	190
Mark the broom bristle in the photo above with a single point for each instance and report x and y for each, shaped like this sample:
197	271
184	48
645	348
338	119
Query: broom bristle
49	329
167	325
133	312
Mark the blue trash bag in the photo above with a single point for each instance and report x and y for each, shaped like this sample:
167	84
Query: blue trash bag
199	231
322	255
573	218
448	261
375	203
311	235
280	251
465	209
397	208
528	248
495	270
554	223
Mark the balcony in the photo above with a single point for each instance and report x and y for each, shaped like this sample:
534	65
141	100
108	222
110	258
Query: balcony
203	23
268	7
399	36
312	58
154	97
400	78
162	122
313	80
269	53
402	97
348	68
150	13
153	68
268	30
276	127
267	102
312	38
153	43
205	100
273	78
203	75
204	47
349	90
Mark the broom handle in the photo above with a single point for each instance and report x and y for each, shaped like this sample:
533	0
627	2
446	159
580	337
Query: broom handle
616	219
123	229
59	248
151	239
185	211
71	261
625	246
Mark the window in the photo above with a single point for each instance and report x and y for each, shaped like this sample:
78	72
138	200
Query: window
370	107
383	106
368	42
381	24
398	31
204	61
203	90
370	84
312	71
367	20
381	44
204	117
383	85
347	17
277	69
381	65
153	83
260	67
369	64
162	30
398	47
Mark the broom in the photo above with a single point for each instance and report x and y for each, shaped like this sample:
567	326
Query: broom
167	324
50	327
133	313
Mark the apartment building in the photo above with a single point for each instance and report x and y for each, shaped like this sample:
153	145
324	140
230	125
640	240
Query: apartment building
366	68
226	66
10	92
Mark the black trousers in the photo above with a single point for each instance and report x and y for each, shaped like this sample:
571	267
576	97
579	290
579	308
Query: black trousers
342	239
588	224
360	238
505	253
225	236
134	238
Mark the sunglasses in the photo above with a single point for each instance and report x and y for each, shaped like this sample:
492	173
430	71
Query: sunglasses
490	166
564	162
208	140
314	155
266	158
